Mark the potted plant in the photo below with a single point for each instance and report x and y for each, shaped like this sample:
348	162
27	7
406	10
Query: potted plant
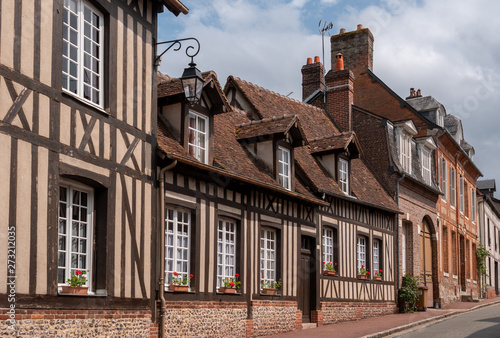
377	275
231	284
363	274
329	268
180	284
269	287
76	282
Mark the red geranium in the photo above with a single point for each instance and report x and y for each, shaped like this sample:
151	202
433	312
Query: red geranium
176	274
236	275
368	273
191	275
231	284
78	272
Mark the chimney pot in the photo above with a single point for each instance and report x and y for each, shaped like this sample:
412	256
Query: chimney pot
419	93
309	61
316	59
342	30
360	26
339	62
412	92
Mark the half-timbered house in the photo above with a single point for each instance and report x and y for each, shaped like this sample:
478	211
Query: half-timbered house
77	130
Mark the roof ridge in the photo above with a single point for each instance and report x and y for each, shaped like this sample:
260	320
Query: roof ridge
277	94
267	119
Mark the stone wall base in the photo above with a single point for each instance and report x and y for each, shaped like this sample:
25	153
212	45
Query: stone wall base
82	323
336	312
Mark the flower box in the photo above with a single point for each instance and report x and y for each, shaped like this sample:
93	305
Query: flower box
74	290
224	289
178	288
269	291
377	277
362	277
329	273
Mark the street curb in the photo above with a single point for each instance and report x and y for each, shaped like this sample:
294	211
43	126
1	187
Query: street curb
428	320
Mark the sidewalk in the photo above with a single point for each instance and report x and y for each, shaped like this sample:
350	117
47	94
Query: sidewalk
386	325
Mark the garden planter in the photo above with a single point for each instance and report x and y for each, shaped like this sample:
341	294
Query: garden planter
74	290
377	277
329	273
362	277
178	288
267	291
224	289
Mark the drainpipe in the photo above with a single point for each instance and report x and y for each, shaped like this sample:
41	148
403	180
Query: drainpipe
397	228
161	236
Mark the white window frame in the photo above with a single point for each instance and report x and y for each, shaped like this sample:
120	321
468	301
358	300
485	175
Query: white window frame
328	246
376	255
444	179
226	250
453	187
461	193
344	175
361	252
426	165
177	243
199	136
472	205
405	151
66	231
268	252
284	167
74	54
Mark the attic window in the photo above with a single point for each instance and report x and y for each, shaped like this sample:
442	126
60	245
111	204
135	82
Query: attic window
344	175
426	165
284	173
198	136
405	151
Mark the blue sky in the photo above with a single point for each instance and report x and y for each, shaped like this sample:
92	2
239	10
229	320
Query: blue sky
449	49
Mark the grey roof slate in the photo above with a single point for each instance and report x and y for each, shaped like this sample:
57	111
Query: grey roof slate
486	184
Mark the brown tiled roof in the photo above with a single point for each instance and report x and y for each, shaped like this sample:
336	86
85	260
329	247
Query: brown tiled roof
267	104
338	141
275	125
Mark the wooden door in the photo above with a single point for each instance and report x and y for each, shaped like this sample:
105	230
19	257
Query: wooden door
426	260
462	263
307	286
496	278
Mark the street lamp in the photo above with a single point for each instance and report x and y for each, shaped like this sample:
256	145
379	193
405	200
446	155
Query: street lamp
192	81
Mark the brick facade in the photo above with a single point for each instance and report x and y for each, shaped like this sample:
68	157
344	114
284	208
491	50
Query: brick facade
83	323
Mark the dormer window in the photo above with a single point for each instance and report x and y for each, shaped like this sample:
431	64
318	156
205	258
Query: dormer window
344	175
404	132
426	165
426	145
439	118
284	172
198	136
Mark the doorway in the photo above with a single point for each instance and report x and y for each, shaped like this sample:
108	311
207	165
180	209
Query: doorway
426	260
496	277
307	286
462	263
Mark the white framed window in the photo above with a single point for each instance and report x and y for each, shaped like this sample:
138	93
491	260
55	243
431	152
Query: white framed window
426	165
226	251
76	205
361	252
328	255
376	255
284	168
472	204
177	243
461	189
405	151
268	254
444	179
344	175
82	51
198	136
453	187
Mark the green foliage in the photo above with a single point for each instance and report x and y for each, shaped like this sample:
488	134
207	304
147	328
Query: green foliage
232	282
270	284
77	279
481	255
408	294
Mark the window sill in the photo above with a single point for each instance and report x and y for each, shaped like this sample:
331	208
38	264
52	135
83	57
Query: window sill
474	282
85	102
446	274
455	277
97	293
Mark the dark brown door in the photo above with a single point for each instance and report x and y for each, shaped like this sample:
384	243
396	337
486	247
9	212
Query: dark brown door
462	263
496	278
307	274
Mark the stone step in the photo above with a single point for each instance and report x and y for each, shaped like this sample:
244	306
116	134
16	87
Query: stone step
469	298
309	325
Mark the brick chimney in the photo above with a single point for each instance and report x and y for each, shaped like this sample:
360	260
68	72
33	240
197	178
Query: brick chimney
340	94
357	48
312	77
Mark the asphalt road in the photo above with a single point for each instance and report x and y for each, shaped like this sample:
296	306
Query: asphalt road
483	322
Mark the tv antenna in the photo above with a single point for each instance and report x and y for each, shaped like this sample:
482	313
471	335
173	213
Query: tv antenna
324	30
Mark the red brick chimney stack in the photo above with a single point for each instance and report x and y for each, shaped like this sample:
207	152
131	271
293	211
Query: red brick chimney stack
312	77
340	94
